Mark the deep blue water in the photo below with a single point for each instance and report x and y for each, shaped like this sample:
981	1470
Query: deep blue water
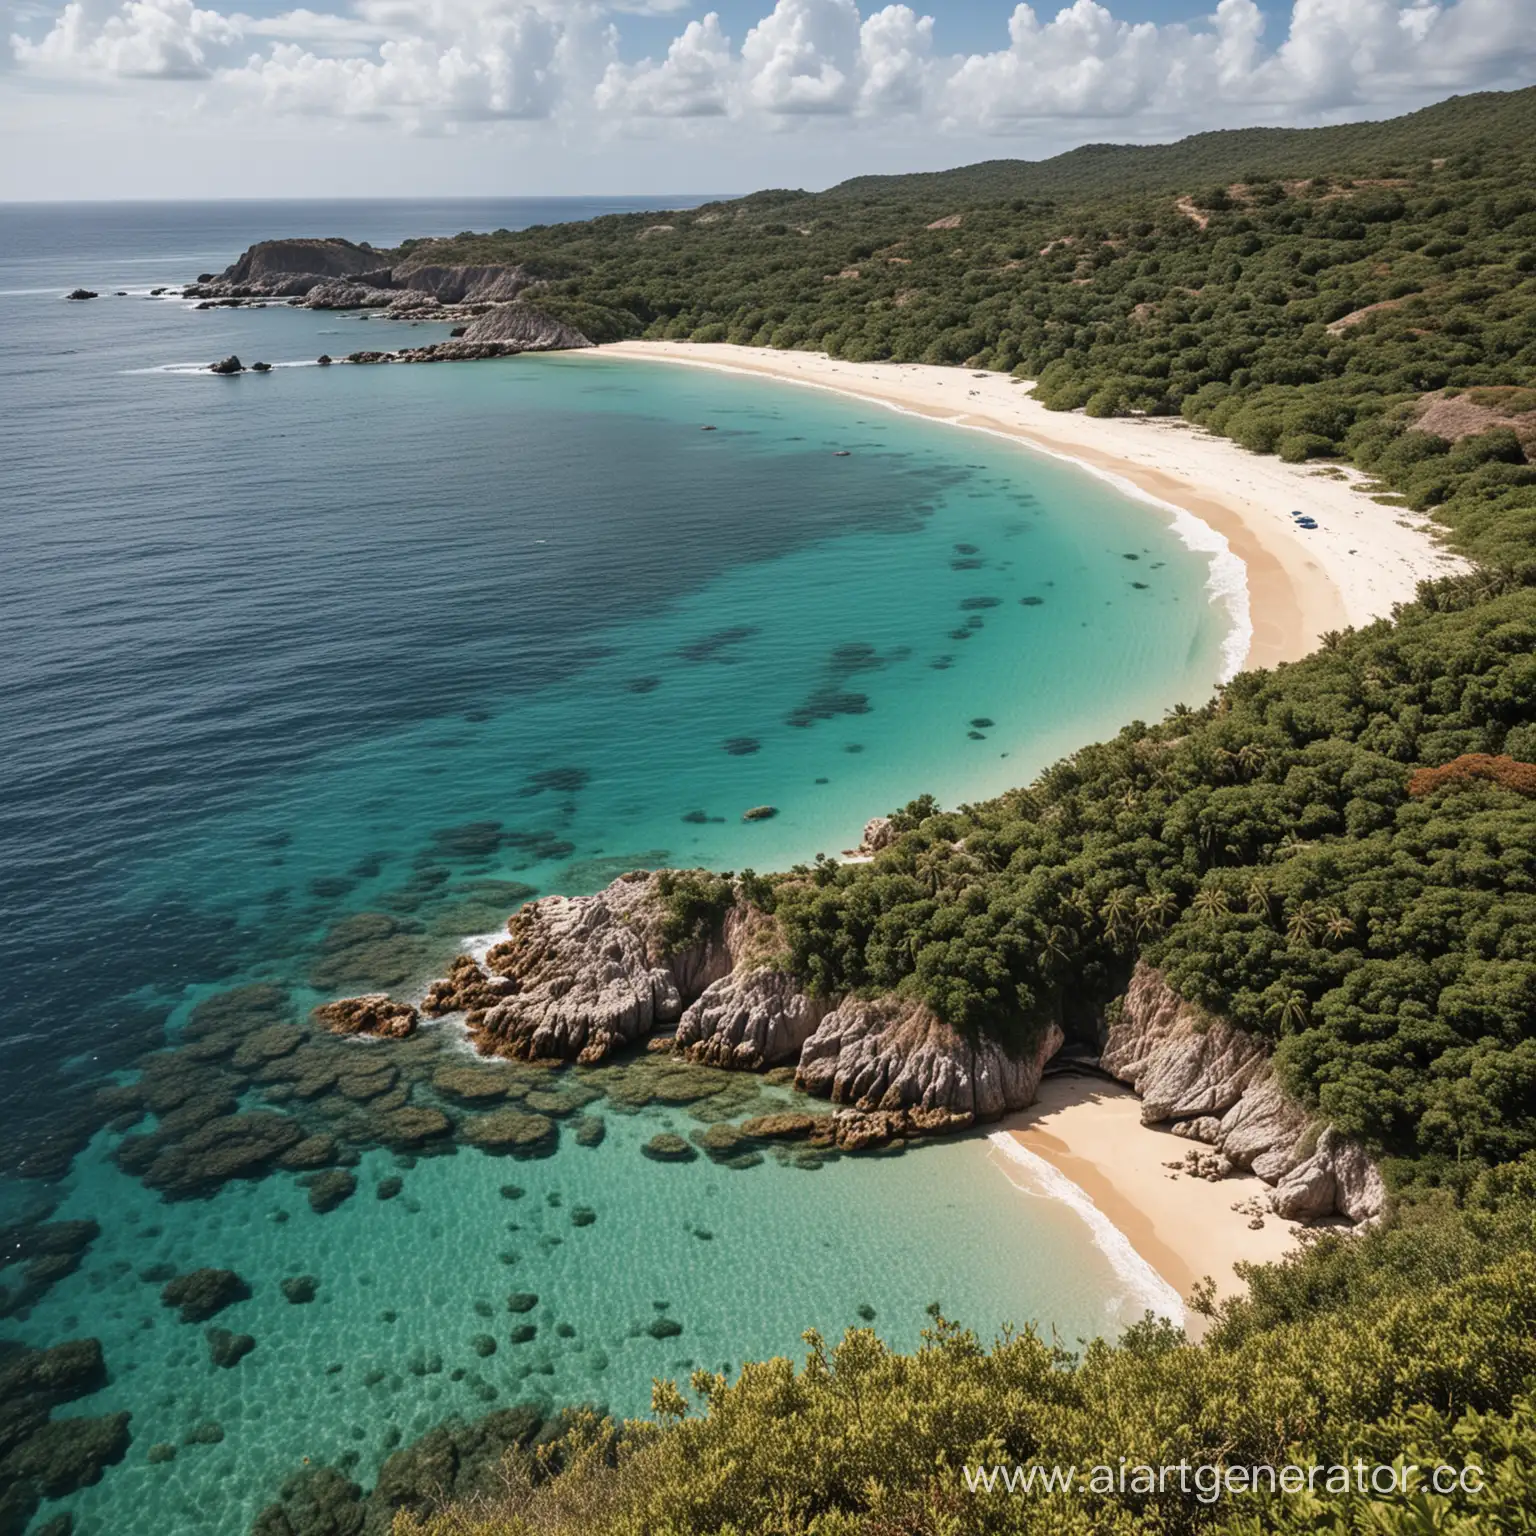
282	654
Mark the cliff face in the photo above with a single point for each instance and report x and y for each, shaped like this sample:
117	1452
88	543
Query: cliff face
580	977
1217	1085
902	1069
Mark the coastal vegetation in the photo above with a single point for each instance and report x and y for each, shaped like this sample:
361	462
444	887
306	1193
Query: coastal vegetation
1337	855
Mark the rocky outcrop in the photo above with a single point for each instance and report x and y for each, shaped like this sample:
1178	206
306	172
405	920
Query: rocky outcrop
1216	1084
903	1071
290	269
374	1014
753	1018
592	973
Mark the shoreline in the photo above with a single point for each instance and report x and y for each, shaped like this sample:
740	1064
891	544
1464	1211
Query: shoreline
1351	570
1181	1227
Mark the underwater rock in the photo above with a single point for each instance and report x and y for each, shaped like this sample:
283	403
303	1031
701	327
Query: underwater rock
592	973
231	1147
203	1293
743	746
524	1333
411	1125
388	1188
589	1130
669	1148
894	1059
471	1083
582	1216
44	1378
313	1152
561	1101
522	1301
211	1433
513	1131
227	1349
161	1453
749	1019
318	1501
370	1081
664	1328
267	1044
300	1290
328	1190
376	1013
791	1125
760	813
65	1455
483	1345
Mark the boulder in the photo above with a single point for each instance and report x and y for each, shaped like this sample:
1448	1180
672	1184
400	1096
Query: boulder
227	1349
879	832
230	364
374	1014
80	294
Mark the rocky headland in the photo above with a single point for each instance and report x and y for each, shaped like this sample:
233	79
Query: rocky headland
487	305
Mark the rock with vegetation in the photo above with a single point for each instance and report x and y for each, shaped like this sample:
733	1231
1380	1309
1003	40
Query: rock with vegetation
1201	1072
592	973
896	1059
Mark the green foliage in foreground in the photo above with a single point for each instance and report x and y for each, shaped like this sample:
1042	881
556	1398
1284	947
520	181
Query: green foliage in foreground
1418	1341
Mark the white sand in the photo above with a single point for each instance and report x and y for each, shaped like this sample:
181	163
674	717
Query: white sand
1359	561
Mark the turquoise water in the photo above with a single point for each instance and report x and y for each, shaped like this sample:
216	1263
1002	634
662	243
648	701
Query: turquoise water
310	677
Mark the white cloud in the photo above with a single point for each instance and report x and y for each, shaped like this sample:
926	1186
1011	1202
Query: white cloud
436	62
143	39
694	80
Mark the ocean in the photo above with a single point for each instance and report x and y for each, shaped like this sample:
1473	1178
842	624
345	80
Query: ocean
308	677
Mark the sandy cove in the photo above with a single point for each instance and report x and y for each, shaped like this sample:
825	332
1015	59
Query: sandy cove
1184	1228
1359	561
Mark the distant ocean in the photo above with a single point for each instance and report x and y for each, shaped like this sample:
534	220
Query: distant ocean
306	677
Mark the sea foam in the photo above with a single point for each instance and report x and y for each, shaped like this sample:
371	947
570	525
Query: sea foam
1145	1288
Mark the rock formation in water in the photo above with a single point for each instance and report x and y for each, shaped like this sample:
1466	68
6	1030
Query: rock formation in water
375	1014
1217	1084
902	1071
752	1018
338	275
592	973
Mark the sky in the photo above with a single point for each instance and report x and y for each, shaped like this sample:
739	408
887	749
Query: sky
367	98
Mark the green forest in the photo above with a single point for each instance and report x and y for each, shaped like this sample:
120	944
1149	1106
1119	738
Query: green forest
1338	854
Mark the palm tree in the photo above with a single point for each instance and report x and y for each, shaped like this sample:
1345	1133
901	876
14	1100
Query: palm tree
1251	758
1056	950
1260	902
1154	913
1336	927
1305	923
1211	901
1115	914
1290	1011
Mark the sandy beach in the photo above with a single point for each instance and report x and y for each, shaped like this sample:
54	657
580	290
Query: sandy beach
1184	1227
1359	561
